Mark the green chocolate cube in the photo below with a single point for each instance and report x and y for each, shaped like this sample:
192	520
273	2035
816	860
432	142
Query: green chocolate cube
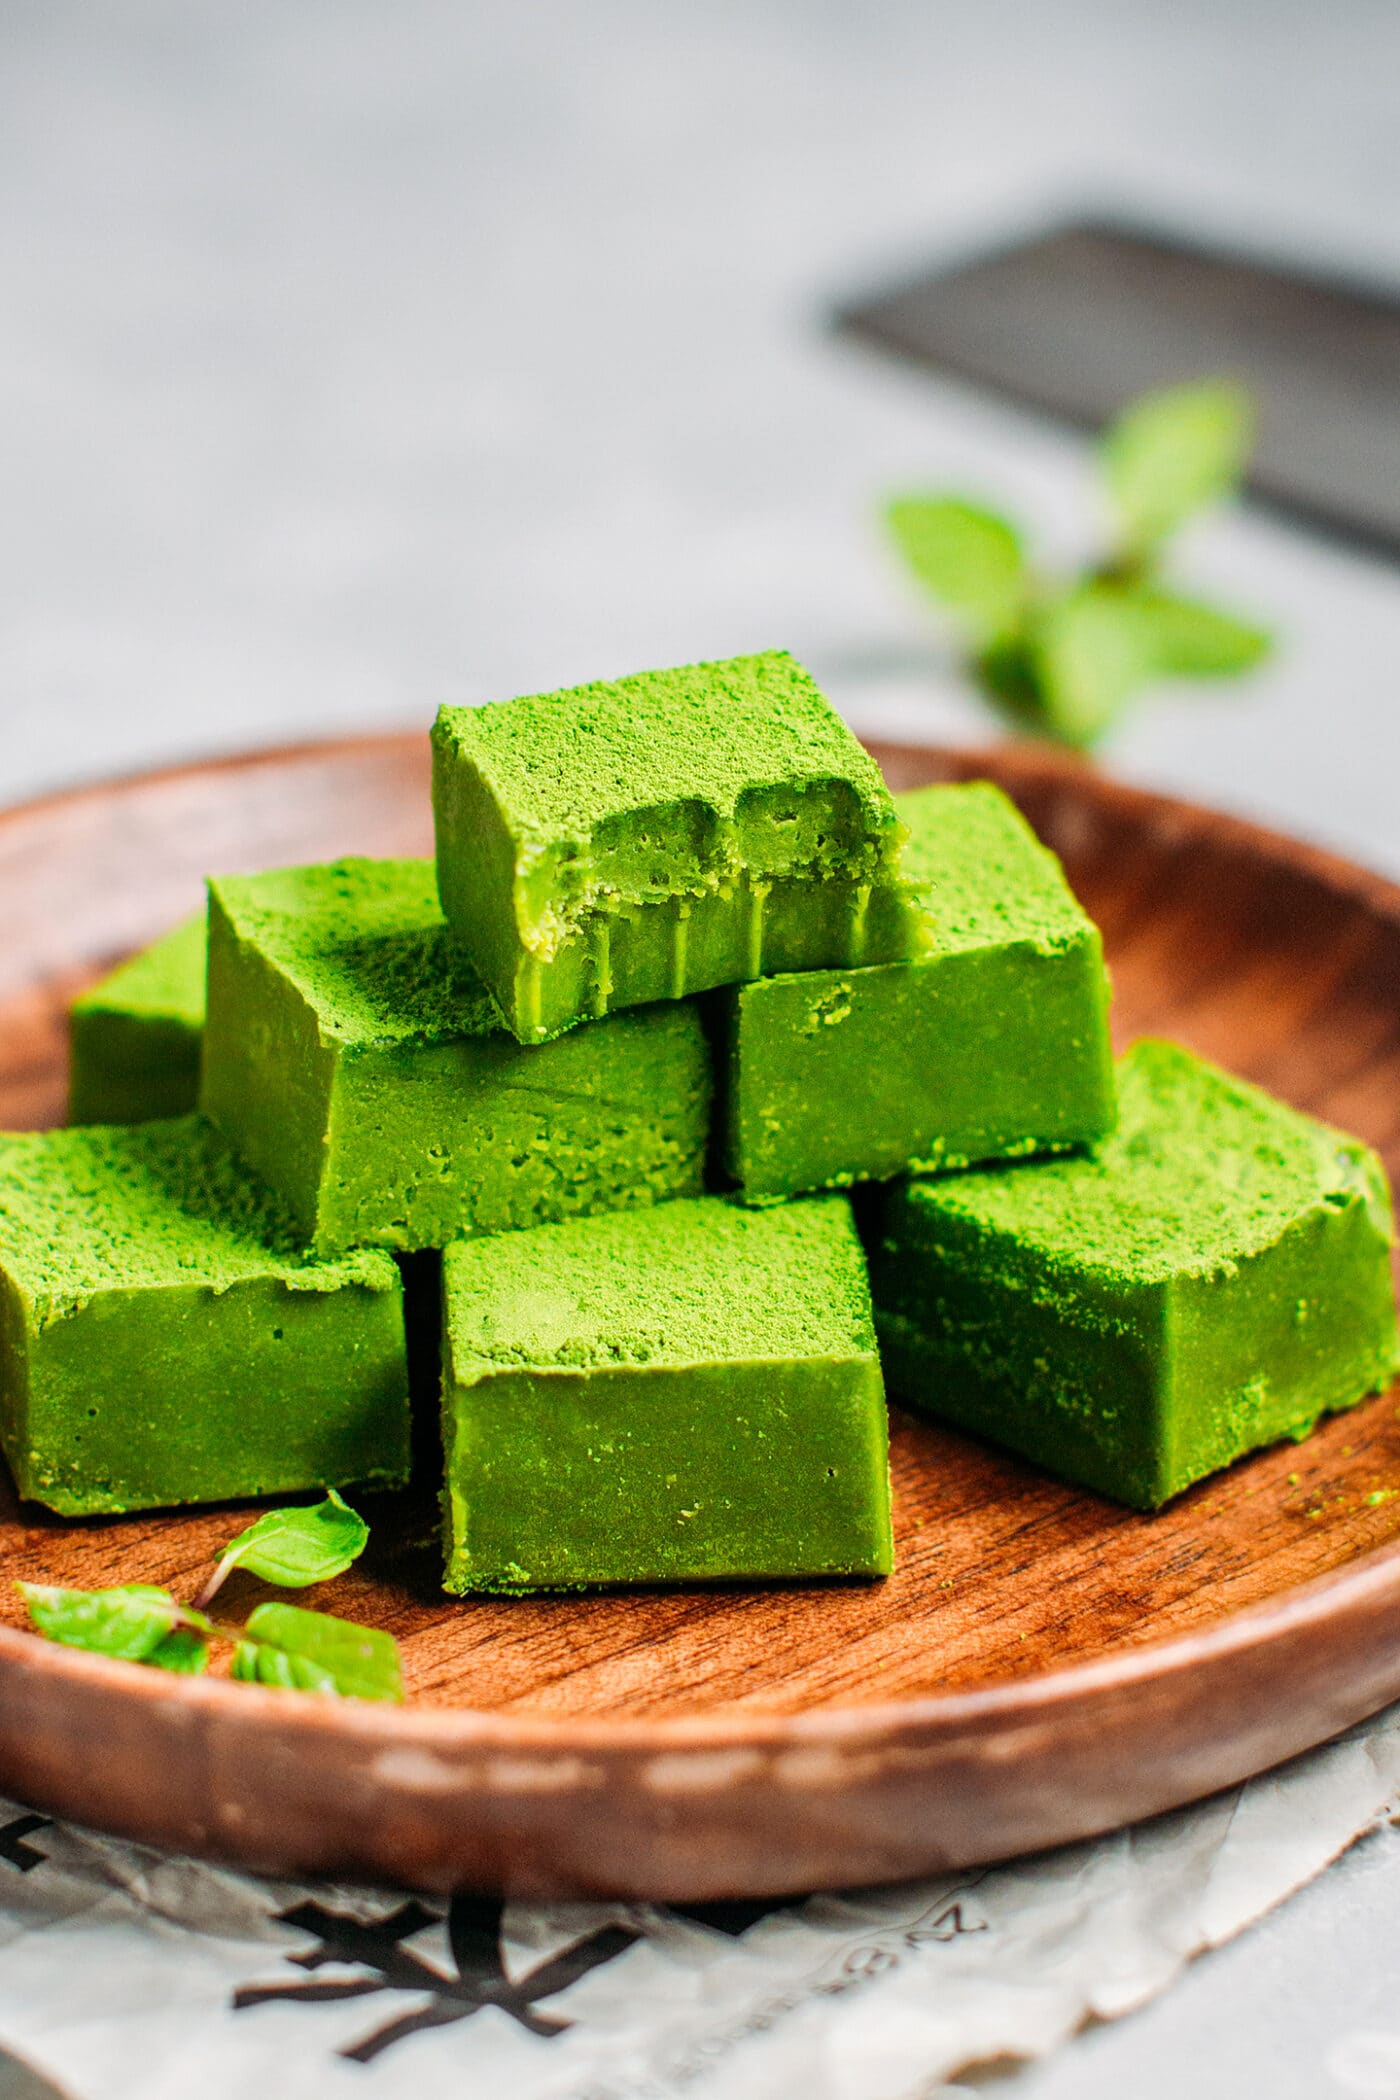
360	1068
617	844
162	1341
1215	1277
135	1037
993	1045
679	1395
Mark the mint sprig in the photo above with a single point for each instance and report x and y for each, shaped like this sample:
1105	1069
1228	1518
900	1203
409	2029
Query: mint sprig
1062	657
132	1623
308	1651
282	1645
294	1547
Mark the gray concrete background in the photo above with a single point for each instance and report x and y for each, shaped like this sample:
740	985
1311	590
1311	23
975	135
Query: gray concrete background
357	356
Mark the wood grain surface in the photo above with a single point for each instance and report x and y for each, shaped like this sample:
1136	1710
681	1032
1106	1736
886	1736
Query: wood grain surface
1041	1665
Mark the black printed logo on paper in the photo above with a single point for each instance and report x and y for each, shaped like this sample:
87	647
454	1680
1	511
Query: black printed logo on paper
950	1924
15	1849
734	1917
474	1938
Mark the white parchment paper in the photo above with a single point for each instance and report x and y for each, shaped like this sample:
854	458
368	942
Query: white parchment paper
125	1975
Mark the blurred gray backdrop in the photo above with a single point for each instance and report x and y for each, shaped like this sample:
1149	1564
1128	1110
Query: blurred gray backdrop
356	356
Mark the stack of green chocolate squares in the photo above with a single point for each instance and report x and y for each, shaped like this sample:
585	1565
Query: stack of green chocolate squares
682	973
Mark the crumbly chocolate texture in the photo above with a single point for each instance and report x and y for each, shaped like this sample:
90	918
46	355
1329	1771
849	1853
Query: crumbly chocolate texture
615	844
162	1339
993	1045
135	1037
683	1395
358	1064
1215	1276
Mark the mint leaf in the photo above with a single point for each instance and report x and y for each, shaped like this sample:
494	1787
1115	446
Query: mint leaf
295	1547
184	1651
1171	453
1191	640
1010	675
970	559
309	1651
255	1664
131	1623
1090	649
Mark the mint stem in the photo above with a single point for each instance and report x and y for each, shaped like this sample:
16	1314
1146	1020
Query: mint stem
216	1582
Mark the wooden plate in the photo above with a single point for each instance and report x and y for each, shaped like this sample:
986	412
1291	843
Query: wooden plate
1043	1665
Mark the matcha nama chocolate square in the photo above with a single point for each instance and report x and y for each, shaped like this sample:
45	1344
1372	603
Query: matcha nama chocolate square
162	1341
616	844
135	1037
992	1045
1215	1276
680	1395
359	1065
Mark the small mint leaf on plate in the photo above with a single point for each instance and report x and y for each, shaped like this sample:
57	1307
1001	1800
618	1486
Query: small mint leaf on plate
968	558
297	1650
130	1623
295	1547
1171	453
256	1663
185	1652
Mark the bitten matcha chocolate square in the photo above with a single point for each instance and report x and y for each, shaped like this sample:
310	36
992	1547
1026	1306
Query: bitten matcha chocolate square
162	1341
1214	1277
671	1396
616	844
359	1066
992	1045
135	1037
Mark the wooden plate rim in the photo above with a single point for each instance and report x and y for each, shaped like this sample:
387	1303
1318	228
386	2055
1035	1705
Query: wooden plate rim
1370	1582
1033	764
